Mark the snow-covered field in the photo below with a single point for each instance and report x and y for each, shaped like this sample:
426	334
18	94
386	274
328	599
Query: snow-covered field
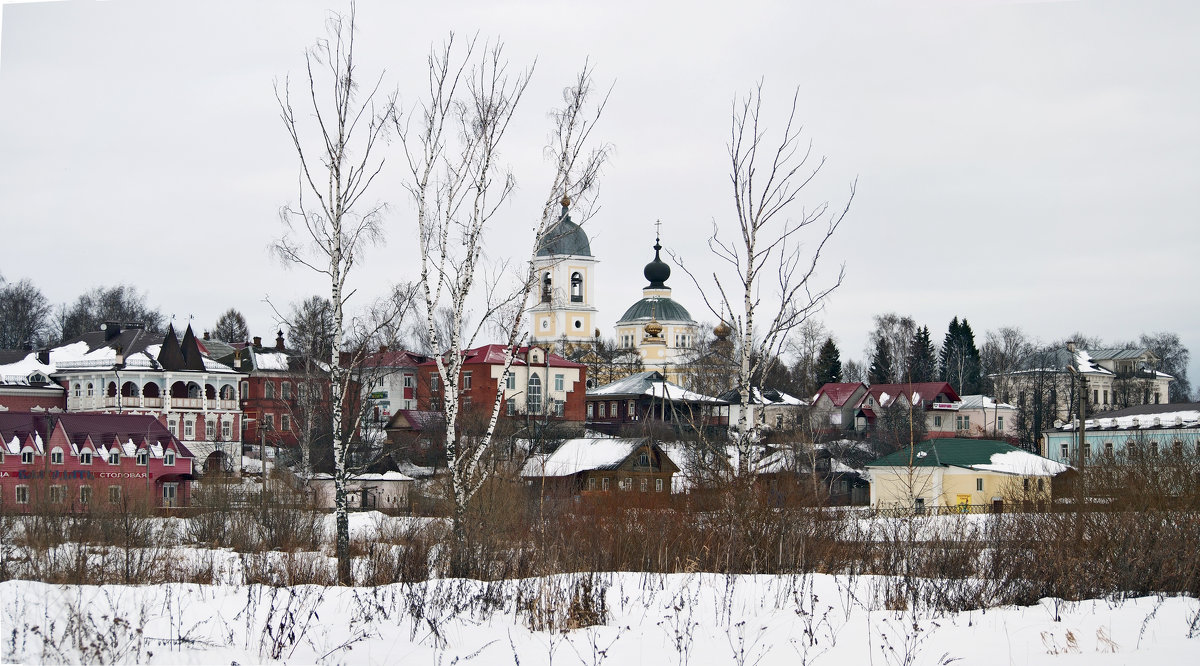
645	619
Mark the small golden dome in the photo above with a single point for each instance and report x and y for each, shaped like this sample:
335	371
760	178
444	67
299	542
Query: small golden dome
653	328
722	330
566	201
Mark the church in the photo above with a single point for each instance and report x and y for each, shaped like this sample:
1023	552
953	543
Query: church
657	331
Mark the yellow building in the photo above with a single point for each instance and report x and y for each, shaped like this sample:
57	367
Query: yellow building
565	305
961	472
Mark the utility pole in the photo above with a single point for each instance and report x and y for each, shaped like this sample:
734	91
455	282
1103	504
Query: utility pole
1080	458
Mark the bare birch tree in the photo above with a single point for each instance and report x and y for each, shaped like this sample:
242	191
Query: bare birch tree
332	224
770	244
452	141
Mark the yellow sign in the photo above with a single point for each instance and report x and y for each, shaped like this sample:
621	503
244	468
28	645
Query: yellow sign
964	501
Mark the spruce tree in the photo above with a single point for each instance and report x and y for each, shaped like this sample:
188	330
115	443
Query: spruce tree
960	365
881	364
922	362
829	364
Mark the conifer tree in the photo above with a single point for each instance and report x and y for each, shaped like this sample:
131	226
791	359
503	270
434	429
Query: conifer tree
922	362
960	364
829	364
881	364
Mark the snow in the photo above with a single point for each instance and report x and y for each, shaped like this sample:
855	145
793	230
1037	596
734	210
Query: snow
1189	418
1022	463
581	455
271	361
685	618
982	402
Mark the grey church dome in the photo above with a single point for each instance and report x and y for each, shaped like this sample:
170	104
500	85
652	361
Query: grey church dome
663	307
565	237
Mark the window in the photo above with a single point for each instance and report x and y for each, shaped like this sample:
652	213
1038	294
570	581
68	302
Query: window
919	505
979	485
603	409
226	430
545	290
434	383
645	484
1106	396
510	381
287	390
56	457
90	390
173	425
466	381
559	407
1065	451
58	494
269	389
1025	484
630	411
285	422
269	421
591	483
245	390
626	483
1177	449
510	406
170	491
114	494
590	410
1041	485
142	457
189	429
1157	396
658	485
558	382
22	494
85	457
114	457
1095	396
937	421
77	391
1108	448
169	458
27	457
604	483
962	422
999	423
643	459
612	409
85	494
535	394
1153	448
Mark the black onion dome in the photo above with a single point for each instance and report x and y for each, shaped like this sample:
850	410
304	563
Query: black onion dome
657	271
565	237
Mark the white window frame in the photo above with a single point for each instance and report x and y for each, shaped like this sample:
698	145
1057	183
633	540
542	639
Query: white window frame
27	457
114	457
559	381
58	494
114	494
285	422
226	430
85	457
142	459
22	495
169	458
466	381
85	494
658	485
189	428
56	456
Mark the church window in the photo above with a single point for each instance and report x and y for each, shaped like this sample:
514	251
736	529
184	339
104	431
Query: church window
576	288
546	287
535	394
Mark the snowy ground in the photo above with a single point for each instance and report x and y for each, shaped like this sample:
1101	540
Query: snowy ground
650	619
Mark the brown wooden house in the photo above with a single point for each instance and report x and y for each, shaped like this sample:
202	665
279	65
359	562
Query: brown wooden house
599	465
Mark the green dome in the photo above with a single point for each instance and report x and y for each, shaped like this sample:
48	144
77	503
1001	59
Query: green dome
664	309
565	237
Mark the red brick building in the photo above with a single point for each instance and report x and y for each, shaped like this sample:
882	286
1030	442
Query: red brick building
25	383
95	461
540	385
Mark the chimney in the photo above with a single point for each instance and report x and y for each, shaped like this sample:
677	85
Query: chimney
237	360
206	335
43	356
111	329
279	339
258	342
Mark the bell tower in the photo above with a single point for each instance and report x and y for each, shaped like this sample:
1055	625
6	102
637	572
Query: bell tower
564	298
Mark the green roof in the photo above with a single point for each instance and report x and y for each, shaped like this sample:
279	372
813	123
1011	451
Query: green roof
565	237
664	309
948	452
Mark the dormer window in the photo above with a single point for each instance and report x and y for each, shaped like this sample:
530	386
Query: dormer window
169	458
27	457
142	457
114	457
85	457
56	457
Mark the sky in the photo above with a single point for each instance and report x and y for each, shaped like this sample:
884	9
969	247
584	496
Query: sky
1028	164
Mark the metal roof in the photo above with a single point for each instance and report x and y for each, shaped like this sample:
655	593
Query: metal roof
565	237
664	309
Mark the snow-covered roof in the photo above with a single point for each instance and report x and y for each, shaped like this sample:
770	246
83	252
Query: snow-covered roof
650	383
1187	418
982	402
1021	463
366	476
582	455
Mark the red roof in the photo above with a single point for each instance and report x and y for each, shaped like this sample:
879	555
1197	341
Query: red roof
839	393
494	355
397	358
103	428
926	392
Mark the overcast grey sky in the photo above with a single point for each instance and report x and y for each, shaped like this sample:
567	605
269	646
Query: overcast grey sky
1029	164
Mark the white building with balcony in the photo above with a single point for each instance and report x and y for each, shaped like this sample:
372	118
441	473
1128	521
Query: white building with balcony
124	369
